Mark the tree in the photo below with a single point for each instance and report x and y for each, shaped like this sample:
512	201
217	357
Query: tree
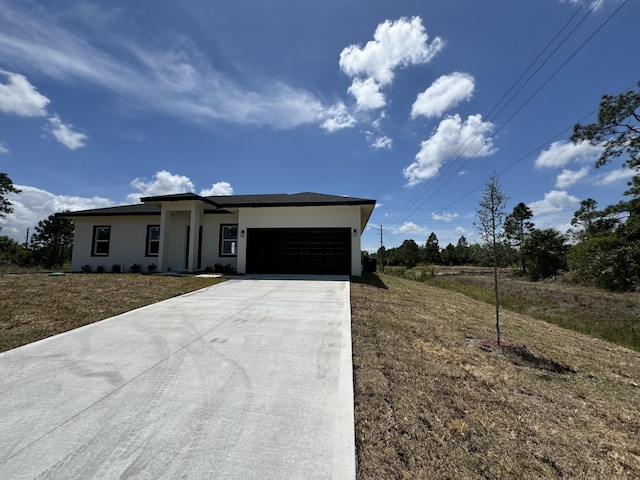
462	251
6	187
52	241
617	128
432	250
517	227
490	222
592	221
409	253
449	255
545	252
617	131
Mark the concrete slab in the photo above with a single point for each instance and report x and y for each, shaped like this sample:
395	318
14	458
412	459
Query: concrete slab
248	379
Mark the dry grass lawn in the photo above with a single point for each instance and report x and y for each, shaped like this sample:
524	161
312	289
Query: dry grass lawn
430	404
35	306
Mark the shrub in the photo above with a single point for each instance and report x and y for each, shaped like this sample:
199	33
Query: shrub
135	268
100	269
86	268
115	268
219	268
152	267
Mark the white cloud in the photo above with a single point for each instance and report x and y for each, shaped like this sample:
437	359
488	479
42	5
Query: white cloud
34	204
445	93
554	201
410	228
65	135
382	142
560	154
220	188
162	183
615	176
174	78
469	139
367	94
395	44
569	177
337	118
19	97
3	148
444	217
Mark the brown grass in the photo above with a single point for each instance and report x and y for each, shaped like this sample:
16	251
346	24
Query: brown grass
431	404
35	306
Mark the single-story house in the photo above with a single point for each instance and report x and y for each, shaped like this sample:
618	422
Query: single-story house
272	233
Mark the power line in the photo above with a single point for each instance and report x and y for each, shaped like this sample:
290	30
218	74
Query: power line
421	194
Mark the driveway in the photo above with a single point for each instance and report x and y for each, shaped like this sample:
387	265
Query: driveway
248	379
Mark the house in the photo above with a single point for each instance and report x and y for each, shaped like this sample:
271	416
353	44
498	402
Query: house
272	233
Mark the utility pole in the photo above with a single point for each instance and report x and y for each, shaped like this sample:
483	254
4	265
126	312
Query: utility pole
26	242
381	252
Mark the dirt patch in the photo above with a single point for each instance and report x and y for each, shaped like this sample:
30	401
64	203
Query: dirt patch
520	355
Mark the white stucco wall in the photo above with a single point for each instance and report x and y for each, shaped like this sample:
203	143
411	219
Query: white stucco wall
129	235
301	217
126	246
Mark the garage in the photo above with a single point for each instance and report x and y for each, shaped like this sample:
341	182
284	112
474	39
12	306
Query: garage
324	251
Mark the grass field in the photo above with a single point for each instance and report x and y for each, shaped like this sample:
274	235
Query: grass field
430	404
35	305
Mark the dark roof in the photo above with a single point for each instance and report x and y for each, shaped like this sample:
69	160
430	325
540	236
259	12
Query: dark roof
137	209
286	199
226	201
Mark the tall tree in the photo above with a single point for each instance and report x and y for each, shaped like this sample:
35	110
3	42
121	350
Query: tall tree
592	221
432	250
6	187
545	251
490	224
618	132
517	227
462	250
52	241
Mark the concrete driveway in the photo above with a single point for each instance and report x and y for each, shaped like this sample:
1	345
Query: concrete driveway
248	379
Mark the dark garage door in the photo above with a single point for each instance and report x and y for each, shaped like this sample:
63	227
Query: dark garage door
299	250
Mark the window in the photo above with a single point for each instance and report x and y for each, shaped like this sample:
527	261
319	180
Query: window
101	237
153	241
228	240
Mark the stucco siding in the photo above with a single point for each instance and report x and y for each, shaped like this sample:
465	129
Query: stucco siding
126	245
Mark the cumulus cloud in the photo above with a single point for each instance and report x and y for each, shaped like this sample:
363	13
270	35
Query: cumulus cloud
614	176
162	183
395	44
34	204
19	97
444	217
561	153
220	188
554	201
3	148
337	118
65	134
468	139
382	142
569	177
367	94
443	94
410	228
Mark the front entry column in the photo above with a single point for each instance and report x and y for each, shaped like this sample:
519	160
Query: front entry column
192	263
163	252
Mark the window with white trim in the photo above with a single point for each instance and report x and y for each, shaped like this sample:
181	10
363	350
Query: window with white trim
101	239
153	241
228	240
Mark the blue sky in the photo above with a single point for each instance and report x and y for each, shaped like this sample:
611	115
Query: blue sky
412	103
